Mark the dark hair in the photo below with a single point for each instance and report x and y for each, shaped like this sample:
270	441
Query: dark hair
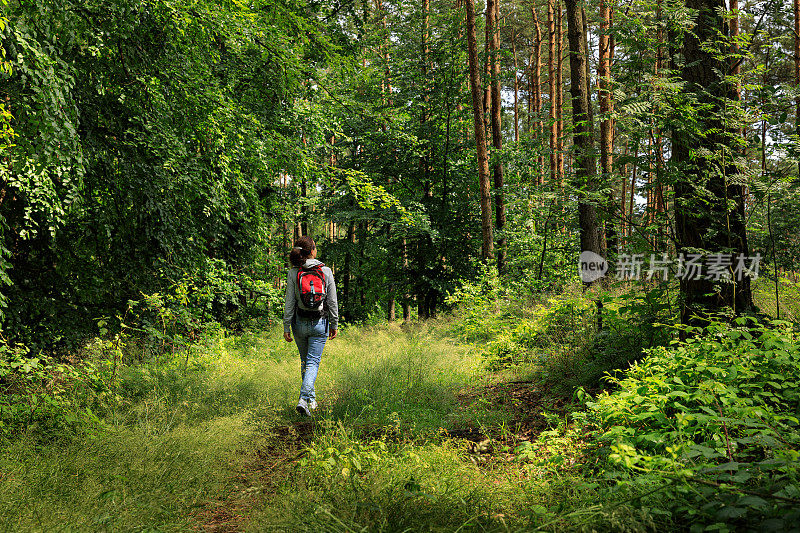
302	249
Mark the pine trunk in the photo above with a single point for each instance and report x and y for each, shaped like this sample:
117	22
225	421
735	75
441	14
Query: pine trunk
536	83
708	209
497	141
487	67
487	248
516	85
560	95
606	102
551	83
583	131
796	6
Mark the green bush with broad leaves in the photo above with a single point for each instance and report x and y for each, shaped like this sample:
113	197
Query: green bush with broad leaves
712	425
196	304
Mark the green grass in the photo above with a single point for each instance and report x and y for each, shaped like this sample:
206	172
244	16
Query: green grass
181	432
388	376
167	449
426	486
121	480
410	476
788	298
217	442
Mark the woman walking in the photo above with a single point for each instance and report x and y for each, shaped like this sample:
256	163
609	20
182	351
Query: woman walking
311	312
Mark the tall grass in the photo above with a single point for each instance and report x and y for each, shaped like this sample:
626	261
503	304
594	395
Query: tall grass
380	460
219	433
388	376
159	456
182	430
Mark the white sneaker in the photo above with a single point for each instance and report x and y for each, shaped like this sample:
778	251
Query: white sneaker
313	404
302	408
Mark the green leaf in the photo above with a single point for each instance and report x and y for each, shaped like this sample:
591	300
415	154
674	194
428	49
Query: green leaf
753	501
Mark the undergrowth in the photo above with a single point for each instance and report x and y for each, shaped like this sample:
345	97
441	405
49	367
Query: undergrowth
714	421
696	435
567	340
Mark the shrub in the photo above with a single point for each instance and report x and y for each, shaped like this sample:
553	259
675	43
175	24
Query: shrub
714	421
47	398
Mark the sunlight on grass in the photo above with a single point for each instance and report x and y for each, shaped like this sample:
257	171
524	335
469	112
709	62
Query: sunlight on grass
388	376
377	454
117	480
169	447
166	450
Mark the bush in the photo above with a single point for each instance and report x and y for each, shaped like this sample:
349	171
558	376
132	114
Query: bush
44	397
478	308
561	335
714	421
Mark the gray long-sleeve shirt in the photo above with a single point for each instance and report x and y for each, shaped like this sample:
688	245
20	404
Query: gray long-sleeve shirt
293	296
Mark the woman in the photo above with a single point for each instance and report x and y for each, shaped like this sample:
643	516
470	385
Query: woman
311	312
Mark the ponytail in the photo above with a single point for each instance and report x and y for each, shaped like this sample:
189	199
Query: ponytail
301	251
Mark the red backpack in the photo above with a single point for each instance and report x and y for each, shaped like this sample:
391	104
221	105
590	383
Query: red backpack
311	285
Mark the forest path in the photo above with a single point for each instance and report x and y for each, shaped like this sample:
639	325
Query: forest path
388	384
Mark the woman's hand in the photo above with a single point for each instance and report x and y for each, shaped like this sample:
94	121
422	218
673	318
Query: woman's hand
288	336
332	333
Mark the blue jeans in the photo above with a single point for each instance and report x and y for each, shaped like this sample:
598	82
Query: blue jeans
310	335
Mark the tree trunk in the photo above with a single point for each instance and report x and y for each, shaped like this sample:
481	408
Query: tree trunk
516	85
497	142
633	188
391	300
424	160
487	71
657	140
362	239
606	101
551	84
531	96
796	6
622	196
304	207
287	243
348	267
487	248
584	159
560	95
708	209
536	83
406	296
422	243
387	75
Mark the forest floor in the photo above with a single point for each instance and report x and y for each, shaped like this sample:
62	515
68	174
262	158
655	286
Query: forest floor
412	433
474	418
520	404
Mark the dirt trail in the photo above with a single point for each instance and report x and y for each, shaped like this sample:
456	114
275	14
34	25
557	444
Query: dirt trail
266	466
